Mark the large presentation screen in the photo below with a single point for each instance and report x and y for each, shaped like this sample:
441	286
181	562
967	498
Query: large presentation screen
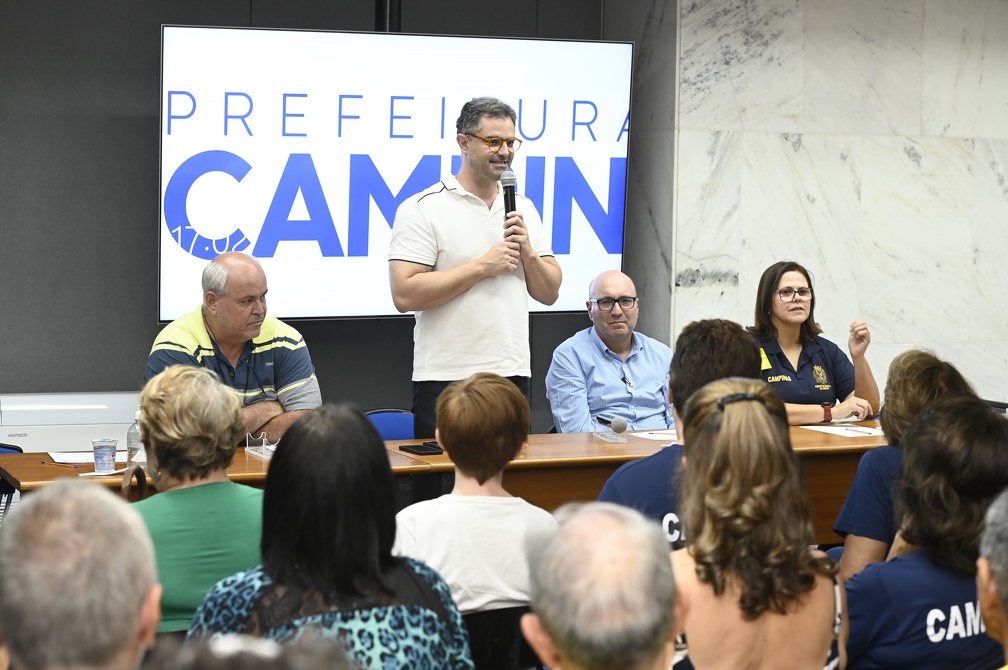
298	147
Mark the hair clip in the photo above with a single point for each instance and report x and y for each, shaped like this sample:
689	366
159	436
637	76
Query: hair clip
736	397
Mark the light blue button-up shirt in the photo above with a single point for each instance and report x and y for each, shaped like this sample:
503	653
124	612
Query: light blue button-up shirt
586	380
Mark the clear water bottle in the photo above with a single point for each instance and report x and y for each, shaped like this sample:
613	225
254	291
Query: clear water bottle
134	446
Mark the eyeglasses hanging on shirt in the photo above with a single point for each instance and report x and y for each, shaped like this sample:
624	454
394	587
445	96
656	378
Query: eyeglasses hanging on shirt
222	371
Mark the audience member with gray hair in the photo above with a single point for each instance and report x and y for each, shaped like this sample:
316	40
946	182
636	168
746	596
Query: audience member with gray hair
603	594
78	584
992	571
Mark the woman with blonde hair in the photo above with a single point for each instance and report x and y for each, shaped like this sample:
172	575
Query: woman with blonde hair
754	594
204	526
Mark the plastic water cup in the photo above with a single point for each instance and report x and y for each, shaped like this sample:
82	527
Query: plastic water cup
104	455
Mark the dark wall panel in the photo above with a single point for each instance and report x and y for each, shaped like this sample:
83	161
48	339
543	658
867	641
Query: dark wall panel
315	15
563	19
78	187
79	97
471	17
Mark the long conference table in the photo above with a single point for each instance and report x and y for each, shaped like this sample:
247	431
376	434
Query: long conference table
553	469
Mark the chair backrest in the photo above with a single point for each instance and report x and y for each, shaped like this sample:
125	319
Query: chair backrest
496	640
7	491
998	406
392	424
126	487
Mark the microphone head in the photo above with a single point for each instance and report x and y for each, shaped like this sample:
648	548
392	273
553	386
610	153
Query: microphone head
509	179
618	424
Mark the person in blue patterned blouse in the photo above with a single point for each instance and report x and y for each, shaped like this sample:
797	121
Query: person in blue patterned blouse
328	529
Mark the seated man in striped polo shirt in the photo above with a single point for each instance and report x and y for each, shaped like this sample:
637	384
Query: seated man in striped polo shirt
263	359
608	370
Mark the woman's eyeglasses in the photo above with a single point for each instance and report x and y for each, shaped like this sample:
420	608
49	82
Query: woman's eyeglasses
788	294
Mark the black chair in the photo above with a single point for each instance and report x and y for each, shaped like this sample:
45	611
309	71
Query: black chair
496	640
998	406
126	487
7	489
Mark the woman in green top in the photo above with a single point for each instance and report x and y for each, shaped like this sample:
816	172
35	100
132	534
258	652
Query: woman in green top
204	526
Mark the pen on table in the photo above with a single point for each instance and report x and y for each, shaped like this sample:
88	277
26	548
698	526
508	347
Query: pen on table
60	465
863	431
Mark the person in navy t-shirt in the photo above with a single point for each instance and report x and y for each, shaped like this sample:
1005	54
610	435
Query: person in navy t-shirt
706	350
867	521
810	373
920	610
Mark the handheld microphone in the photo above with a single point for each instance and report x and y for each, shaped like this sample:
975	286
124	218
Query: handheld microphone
508	182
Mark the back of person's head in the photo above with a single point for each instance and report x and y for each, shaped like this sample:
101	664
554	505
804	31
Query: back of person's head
78	582
602	587
308	652
482	422
955	460
994	549
745	513
190	420
916	378
329	505
708	350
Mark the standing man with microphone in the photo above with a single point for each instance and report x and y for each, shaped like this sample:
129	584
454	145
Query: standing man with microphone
465	262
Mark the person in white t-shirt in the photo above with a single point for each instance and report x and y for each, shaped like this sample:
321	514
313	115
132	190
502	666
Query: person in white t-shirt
475	536
467	267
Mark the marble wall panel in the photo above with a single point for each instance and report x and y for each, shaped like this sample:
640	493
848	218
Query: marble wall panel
649	240
651	168
741	64
989	291
863	67
917	196
965	68
865	140
708	225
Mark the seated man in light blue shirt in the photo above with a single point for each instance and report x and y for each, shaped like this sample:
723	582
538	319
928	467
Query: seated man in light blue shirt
608	370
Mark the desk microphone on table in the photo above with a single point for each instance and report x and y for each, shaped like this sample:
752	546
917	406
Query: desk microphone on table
611	429
618	424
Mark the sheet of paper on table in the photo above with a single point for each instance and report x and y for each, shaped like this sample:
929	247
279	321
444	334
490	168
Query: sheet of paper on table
102	474
848	431
80	456
668	436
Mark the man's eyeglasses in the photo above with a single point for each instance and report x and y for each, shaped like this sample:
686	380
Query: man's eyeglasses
494	143
788	294
606	304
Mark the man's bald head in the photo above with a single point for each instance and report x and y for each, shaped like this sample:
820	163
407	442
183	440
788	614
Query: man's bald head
614	326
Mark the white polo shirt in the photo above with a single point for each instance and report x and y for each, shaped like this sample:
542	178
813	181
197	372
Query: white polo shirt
486	328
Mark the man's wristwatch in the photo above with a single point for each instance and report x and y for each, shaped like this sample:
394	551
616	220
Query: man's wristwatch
827	412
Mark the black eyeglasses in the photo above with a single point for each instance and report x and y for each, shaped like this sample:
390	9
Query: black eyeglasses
606	304
495	143
788	294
